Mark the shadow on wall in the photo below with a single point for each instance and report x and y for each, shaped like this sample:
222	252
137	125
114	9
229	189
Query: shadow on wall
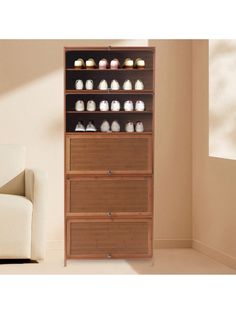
25	60
222	98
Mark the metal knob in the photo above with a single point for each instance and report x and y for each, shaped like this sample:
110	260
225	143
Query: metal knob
109	172
109	214
109	255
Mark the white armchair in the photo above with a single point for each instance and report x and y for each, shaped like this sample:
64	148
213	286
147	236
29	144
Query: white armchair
22	207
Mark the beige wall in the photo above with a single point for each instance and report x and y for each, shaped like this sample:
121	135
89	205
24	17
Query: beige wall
173	156
214	179
31	111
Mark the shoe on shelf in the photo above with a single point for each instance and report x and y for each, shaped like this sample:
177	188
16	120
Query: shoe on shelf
115	85
129	127
90	64
115	127
89	84
103	64
91	105
114	64
139	63
79	127
79	63
139	85
79	84
91	127
103	85
104	105
105	126
128	105
128	63
139	105
139	126
127	85
115	105
79	105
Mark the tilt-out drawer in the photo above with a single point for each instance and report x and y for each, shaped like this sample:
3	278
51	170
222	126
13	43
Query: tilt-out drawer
109	154
104	238
109	196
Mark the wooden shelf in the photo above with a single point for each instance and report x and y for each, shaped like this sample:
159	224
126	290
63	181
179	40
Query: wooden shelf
110	133
108	70
112	92
109	112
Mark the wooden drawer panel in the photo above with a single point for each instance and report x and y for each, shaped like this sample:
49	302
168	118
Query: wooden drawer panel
109	239
109	196
103	154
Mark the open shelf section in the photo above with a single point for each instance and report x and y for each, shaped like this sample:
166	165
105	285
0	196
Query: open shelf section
109	70
114	92
109	112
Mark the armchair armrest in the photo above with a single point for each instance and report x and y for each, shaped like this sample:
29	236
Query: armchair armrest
36	192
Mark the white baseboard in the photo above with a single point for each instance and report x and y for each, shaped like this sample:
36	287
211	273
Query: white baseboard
217	255
172	243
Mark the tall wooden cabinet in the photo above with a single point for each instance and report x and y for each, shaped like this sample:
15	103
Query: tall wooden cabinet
109	176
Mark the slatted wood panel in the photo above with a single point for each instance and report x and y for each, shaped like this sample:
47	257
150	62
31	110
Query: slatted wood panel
100	154
105	195
109	239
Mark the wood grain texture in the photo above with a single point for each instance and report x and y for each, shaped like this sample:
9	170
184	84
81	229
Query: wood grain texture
114	195
107	239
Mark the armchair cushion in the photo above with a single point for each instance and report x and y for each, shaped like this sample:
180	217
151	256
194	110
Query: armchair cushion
15	226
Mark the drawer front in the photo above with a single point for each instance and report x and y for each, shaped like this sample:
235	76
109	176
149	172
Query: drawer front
109	239
109	196
109	155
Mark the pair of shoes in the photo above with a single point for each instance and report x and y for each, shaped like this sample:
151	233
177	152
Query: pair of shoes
105	126
130	64
103	85
89	128
127	85
80	85
137	86
114	64
129	106
90	106
88	64
104	105
131	127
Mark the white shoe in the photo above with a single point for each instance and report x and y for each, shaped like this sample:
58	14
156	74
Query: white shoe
139	126
115	127
114	65
127	85
79	63
103	85
90	127
79	84
79	127
129	127
79	105
128	105
115	85
103	64
104	105
139	63
91	105
138	85
89	84
139	105
105	126
90	63
128	63
115	105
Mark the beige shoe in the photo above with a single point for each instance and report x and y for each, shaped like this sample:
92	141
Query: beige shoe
128	63
139	63
79	63
90	64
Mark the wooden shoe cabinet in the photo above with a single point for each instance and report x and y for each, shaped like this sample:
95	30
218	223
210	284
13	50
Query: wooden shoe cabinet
109	176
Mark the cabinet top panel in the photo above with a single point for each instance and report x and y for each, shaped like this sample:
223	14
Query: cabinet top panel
111	48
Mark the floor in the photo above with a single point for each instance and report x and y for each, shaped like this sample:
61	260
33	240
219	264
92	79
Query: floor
165	261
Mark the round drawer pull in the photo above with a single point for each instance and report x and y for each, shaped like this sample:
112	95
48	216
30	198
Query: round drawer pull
109	255
109	172
109	214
